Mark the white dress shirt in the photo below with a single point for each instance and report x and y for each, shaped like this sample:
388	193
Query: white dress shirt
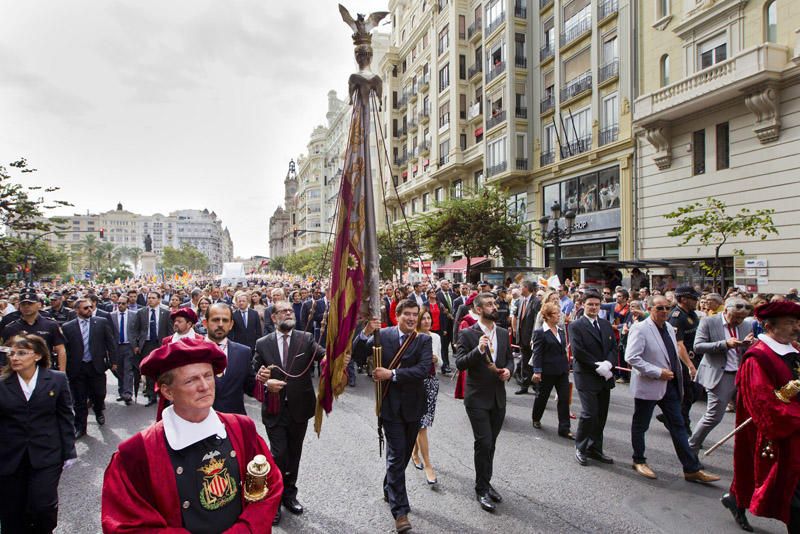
181	433
27	388
492	335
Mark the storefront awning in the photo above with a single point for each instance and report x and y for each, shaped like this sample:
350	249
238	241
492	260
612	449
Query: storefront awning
426	266
461	265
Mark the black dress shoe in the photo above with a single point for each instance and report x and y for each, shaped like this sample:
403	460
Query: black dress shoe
120	399
537	424
293	506
385	496
277	518
150	402
581	458
80	433
496	497
568	435
486	502
128	402
521	391
599	456
100	418
739	514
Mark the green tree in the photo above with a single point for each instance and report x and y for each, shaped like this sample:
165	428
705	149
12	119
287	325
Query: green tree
476	225
277	264
22	216
185	258
44	260
395	248
92	255
710	225
110	274
312	261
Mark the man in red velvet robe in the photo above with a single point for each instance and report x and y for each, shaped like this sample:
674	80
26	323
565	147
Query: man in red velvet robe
766	464
186	473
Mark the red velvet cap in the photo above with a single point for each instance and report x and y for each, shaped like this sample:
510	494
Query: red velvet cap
186	313
784	308
185	351
471	299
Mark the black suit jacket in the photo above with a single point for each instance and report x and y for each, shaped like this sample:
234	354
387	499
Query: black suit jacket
485	390
405	400
525	323
143	325
448	312
102	345
550	354
269	326
298	395
237	380
249	335
588	348
43	426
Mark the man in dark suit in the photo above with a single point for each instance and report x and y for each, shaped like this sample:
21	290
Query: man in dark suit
123	323
152	325
239	377
91	350
246	323
485	352
404	401
594	351
445	297
277	295
527	308
461	307
283	362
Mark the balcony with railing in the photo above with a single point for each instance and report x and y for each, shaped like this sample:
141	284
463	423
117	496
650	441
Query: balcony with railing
576	31
497	117
520	11
498	69
521	112
577	86
414	154
607	8
424	147
403	102
424	82
521	62
609	70
547	158
413	125
609	134
474	70
424	115
444	160
545	3
547	103
494	170
474	111
474	29
412	93
401	161
578	146
546	52
496	23
522	164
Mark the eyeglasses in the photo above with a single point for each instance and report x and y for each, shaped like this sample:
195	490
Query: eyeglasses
742	306
660	308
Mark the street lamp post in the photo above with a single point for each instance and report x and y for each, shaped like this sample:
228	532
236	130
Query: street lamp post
556	234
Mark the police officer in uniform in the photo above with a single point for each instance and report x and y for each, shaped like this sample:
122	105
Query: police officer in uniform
33	322
58	311
685	321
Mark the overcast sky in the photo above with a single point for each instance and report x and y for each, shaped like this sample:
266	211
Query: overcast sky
164	105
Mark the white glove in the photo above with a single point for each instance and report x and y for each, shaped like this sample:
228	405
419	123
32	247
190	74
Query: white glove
604	369
69	463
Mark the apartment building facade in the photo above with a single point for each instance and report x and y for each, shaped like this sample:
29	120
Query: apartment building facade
717	116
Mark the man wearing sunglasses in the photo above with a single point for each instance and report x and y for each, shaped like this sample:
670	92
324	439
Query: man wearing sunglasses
652	352
722	339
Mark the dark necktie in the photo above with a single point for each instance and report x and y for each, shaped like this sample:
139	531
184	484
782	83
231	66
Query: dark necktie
596	326
286	351
402	339
244	319
153	326
121	328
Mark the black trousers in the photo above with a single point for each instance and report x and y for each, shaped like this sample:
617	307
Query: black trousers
592	422
561	383
149	383
88	384
526	370
29	499
691	393
445	335
486	425
286	445
400	439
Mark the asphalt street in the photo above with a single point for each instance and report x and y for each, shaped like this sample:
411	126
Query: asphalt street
543	487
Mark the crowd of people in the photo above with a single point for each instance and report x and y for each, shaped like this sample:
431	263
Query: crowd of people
198	350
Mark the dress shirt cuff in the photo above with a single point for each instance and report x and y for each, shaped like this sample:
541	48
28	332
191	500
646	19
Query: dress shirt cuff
394	375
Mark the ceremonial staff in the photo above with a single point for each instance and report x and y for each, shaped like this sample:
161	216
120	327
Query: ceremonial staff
355	270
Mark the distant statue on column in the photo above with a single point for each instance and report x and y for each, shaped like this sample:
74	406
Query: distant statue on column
148	243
